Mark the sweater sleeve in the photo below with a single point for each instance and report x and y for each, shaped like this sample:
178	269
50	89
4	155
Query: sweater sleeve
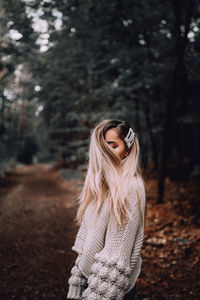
109	277
77	281
139	235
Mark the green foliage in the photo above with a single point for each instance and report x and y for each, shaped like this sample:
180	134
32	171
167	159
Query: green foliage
111	59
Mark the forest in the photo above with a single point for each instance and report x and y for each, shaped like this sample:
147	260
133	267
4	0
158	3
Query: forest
65	65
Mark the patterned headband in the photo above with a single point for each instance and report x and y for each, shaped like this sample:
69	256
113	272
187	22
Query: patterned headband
129	139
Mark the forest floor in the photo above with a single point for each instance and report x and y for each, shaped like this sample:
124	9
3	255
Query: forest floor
37	231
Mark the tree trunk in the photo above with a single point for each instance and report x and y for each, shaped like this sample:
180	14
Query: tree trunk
152	137
170	103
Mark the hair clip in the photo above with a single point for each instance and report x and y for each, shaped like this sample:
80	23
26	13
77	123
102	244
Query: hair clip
129	139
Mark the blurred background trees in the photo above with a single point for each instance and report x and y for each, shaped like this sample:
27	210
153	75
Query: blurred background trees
67	64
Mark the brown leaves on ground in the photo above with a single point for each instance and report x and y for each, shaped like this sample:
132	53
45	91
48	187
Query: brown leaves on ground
37	231
171	246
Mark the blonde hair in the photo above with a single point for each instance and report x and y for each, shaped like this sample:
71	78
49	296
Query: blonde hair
108	177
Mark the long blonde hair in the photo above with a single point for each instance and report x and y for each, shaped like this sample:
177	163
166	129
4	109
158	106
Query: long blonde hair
108	177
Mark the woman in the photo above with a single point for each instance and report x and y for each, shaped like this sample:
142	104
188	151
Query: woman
111	217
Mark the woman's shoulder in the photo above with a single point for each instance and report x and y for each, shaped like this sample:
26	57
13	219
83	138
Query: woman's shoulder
137	185
136	182
141	185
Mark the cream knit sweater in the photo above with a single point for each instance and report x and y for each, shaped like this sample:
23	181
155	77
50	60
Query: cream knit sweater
109	261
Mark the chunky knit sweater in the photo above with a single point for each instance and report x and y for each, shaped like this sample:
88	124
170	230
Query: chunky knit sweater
109	260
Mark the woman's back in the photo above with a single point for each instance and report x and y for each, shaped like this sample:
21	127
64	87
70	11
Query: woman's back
109	260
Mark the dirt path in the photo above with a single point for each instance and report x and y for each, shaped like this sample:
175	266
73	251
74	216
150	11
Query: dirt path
36	234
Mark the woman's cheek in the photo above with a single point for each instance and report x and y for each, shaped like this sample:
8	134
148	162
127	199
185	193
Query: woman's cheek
117	150
120	153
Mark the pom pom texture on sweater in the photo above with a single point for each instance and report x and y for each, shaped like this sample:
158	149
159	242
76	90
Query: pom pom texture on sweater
107	280
77	282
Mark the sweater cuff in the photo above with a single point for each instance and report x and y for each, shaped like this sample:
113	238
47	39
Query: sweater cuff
74	292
